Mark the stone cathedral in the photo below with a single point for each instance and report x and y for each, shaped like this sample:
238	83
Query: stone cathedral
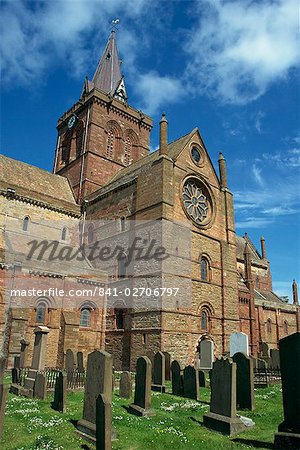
104	171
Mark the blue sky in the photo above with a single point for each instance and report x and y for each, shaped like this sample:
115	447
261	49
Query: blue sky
229	68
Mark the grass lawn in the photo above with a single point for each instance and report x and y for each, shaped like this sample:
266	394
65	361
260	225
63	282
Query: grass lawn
32	424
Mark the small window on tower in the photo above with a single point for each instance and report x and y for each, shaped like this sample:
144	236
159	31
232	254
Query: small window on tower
127	151
26	221
110	144
204	269
269	326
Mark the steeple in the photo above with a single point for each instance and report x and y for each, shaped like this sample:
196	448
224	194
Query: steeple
108	76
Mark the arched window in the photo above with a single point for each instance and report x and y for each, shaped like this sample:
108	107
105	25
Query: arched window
66	147
123	219
90	234
285	327
25	225
41	312
269	326
257	283
204	320
120	318
204	269
79	138
127	151
85	317
122	267
63	234
110	144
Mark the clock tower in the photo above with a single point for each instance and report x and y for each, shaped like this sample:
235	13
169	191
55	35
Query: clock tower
100	134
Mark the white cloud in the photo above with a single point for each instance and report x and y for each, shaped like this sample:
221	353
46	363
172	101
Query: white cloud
241	47
283	288
157	90
257	174
253	222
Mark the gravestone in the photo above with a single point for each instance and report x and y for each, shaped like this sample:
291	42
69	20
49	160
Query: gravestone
98	381
40	386
167	366
191	383
3	396
15	375
80	366
206	354
159	373
244	381
239	343
202	381
60	393
177	379
288	435
24	351
103	423
69	364
222	416
142	393
38	359
274	359
125	387
265	350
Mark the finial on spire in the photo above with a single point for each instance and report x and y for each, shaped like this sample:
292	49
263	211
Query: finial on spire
222	170
295	293
163	135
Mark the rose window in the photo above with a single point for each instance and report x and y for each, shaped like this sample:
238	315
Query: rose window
195	201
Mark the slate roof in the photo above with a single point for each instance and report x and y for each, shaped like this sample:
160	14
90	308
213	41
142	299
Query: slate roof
142	165
37	184
240	247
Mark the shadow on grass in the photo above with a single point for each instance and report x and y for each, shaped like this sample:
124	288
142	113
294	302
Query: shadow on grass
74	422
253	443
197	421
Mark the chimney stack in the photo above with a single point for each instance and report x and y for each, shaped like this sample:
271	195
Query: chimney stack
163	135
263	247
222	170
295	293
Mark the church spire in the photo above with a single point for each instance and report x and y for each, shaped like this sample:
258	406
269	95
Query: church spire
108	76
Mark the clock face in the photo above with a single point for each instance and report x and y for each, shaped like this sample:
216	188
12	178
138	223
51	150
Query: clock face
71	121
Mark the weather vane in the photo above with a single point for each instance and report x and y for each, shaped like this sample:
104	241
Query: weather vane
114	24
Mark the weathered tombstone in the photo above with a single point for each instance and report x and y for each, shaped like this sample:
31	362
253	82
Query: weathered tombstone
15	375
23	354
69	364
239	343
60	393
222	416
40	386
103	423
80	366
17	362
191	383
202	381
142	393
38	359
159	373
274	359
265	350
125	387
98	381
167	366
206	354
177	380
288	435
3	395
244	381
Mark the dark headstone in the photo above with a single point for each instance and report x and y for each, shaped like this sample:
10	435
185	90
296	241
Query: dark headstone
202	381
38	358
15	375
60	393
23	354
191	383
17	362
288	435
177	380
159	373
125	390
244	381
142	393
222	416
274	359
167	366
3	395
80	366
98	381
265	350
40	386
206	354
69	364
103	423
